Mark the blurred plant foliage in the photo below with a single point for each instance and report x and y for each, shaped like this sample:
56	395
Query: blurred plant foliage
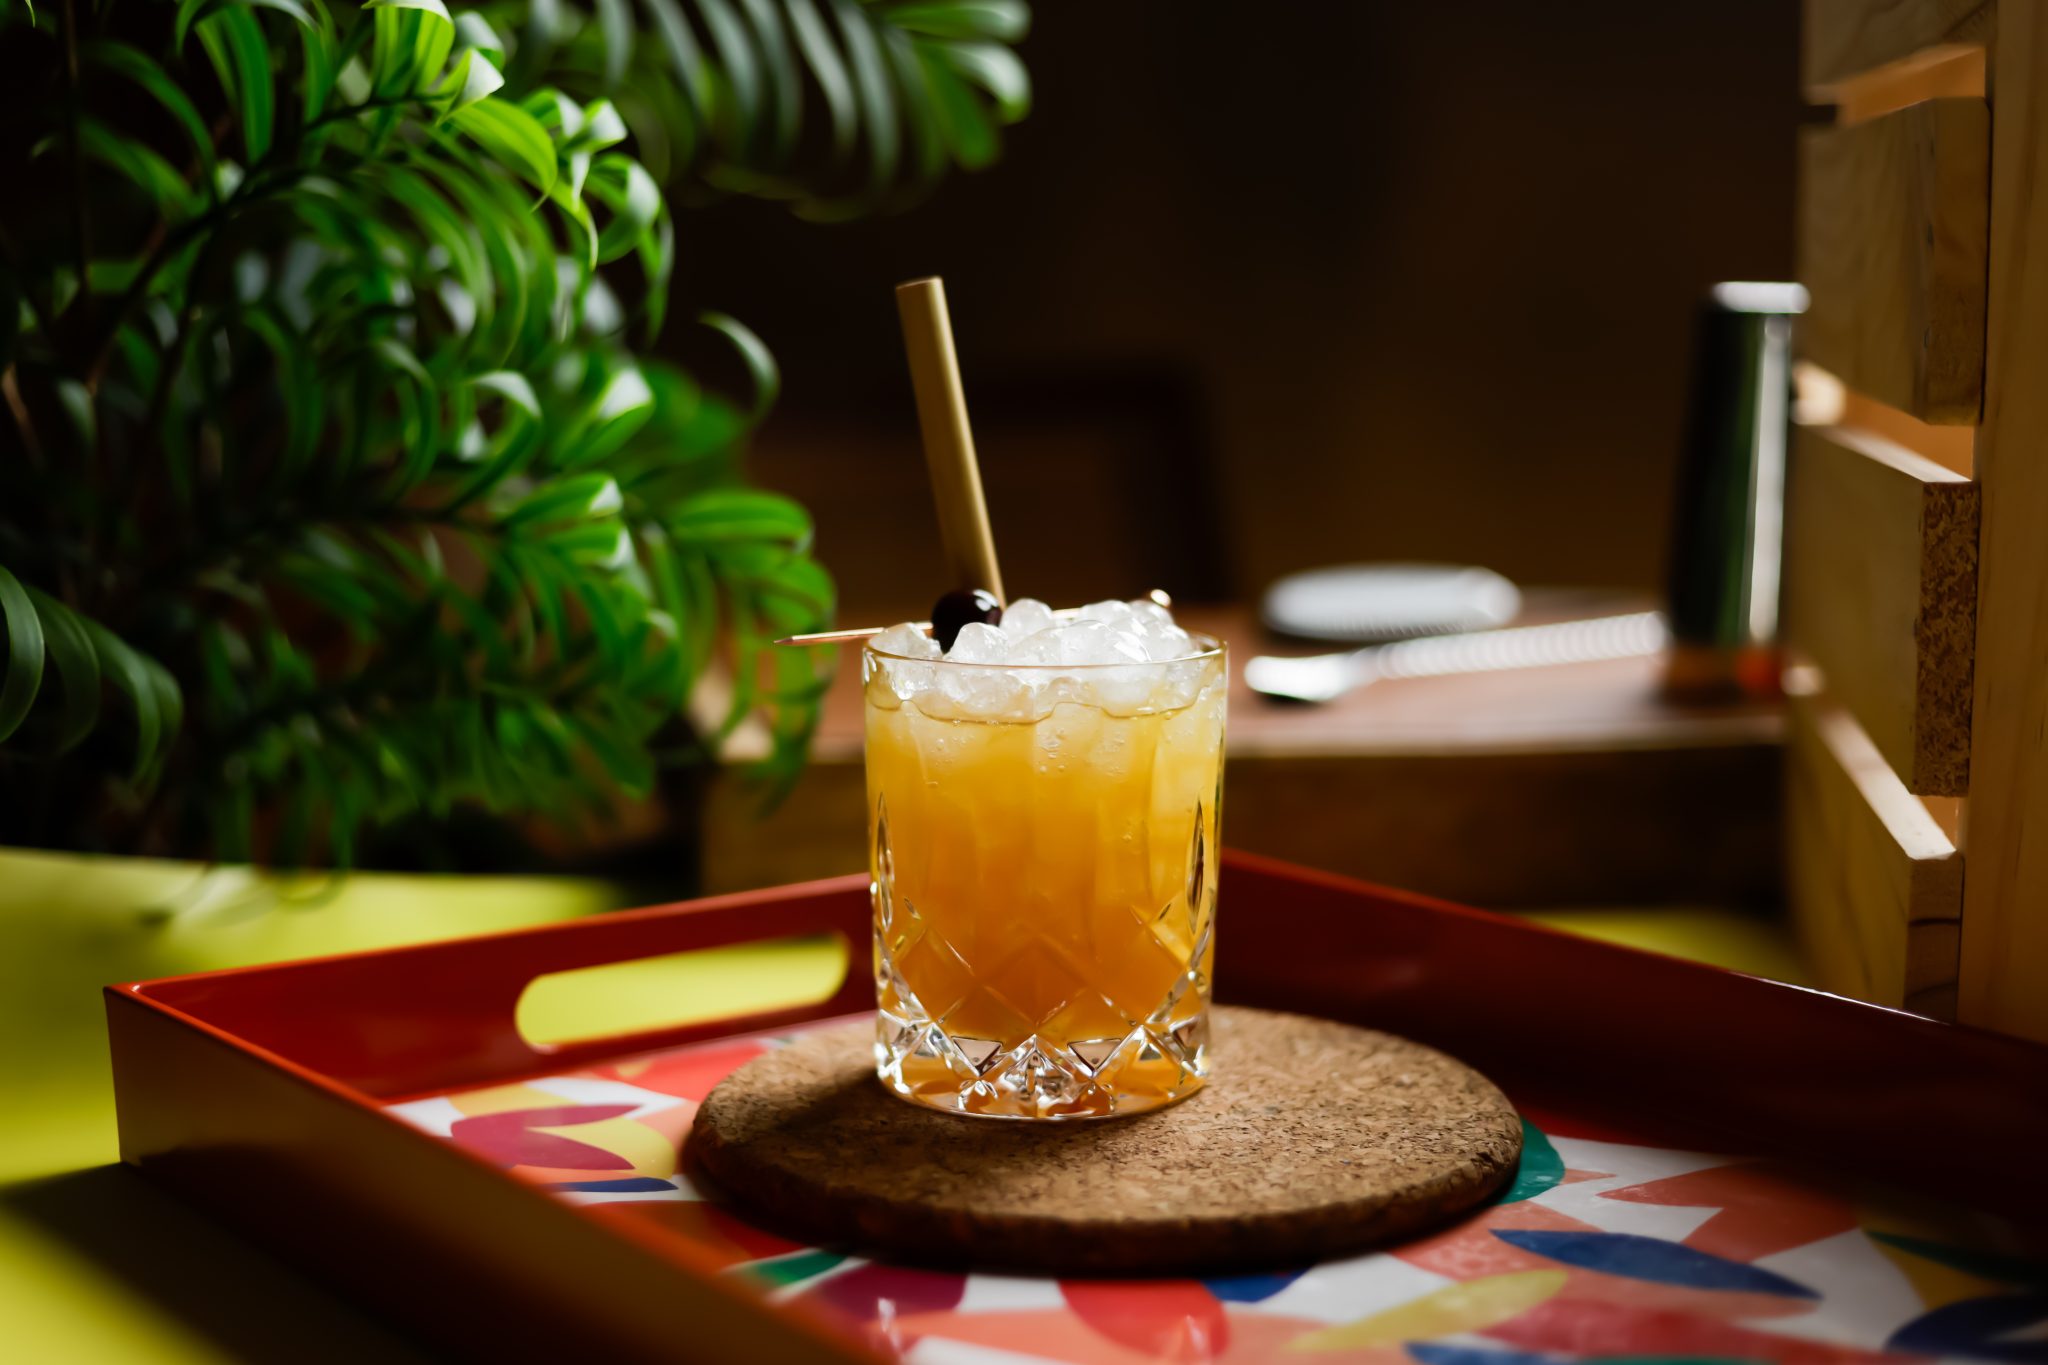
333	490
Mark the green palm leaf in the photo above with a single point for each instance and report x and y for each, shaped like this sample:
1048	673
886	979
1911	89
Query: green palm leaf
512	136
24	676
40	629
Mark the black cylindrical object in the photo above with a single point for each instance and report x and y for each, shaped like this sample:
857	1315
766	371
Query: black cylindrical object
1726	534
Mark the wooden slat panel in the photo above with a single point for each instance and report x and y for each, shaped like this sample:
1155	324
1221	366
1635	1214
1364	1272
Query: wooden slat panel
1845	38
1875	886
2004	983
1881	593
1892	238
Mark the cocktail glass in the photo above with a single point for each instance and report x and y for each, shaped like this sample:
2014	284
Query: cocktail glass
1043	845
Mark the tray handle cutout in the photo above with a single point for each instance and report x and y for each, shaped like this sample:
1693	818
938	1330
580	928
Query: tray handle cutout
429	1017
652	995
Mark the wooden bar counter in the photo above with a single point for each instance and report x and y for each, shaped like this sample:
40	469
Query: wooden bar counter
1569	785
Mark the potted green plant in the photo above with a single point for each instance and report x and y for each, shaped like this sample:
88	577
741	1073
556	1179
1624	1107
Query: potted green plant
338	488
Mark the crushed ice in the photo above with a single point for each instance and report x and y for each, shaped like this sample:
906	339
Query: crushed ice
1106	655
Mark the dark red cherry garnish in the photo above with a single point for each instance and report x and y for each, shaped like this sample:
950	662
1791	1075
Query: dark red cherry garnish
961	607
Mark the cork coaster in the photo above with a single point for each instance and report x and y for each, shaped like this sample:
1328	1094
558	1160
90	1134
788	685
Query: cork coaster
1312	1139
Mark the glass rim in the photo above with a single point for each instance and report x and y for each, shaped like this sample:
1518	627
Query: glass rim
1208	647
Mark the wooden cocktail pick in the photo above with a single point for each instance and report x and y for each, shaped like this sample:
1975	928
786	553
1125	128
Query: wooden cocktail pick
852	633
948	440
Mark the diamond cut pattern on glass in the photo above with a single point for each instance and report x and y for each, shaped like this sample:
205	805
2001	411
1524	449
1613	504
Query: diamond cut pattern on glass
1093	1052
1039	1022
883	889
979	1052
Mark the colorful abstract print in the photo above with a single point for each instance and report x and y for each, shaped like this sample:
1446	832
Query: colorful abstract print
1603	1250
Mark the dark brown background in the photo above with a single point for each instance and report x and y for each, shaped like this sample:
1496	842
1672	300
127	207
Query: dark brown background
1335	281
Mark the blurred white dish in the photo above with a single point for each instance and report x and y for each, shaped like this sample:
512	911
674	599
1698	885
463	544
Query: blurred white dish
1361	602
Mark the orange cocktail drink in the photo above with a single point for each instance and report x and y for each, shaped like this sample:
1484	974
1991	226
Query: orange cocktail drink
1043	844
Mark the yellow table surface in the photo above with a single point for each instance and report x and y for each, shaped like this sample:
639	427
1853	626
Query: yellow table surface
98	1265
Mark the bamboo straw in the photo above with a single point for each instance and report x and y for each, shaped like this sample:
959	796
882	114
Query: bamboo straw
948	441
949	452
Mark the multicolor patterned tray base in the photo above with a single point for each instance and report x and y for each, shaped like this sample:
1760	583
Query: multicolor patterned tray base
1603	1249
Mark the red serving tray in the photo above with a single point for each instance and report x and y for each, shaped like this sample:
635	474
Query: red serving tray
268	1095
